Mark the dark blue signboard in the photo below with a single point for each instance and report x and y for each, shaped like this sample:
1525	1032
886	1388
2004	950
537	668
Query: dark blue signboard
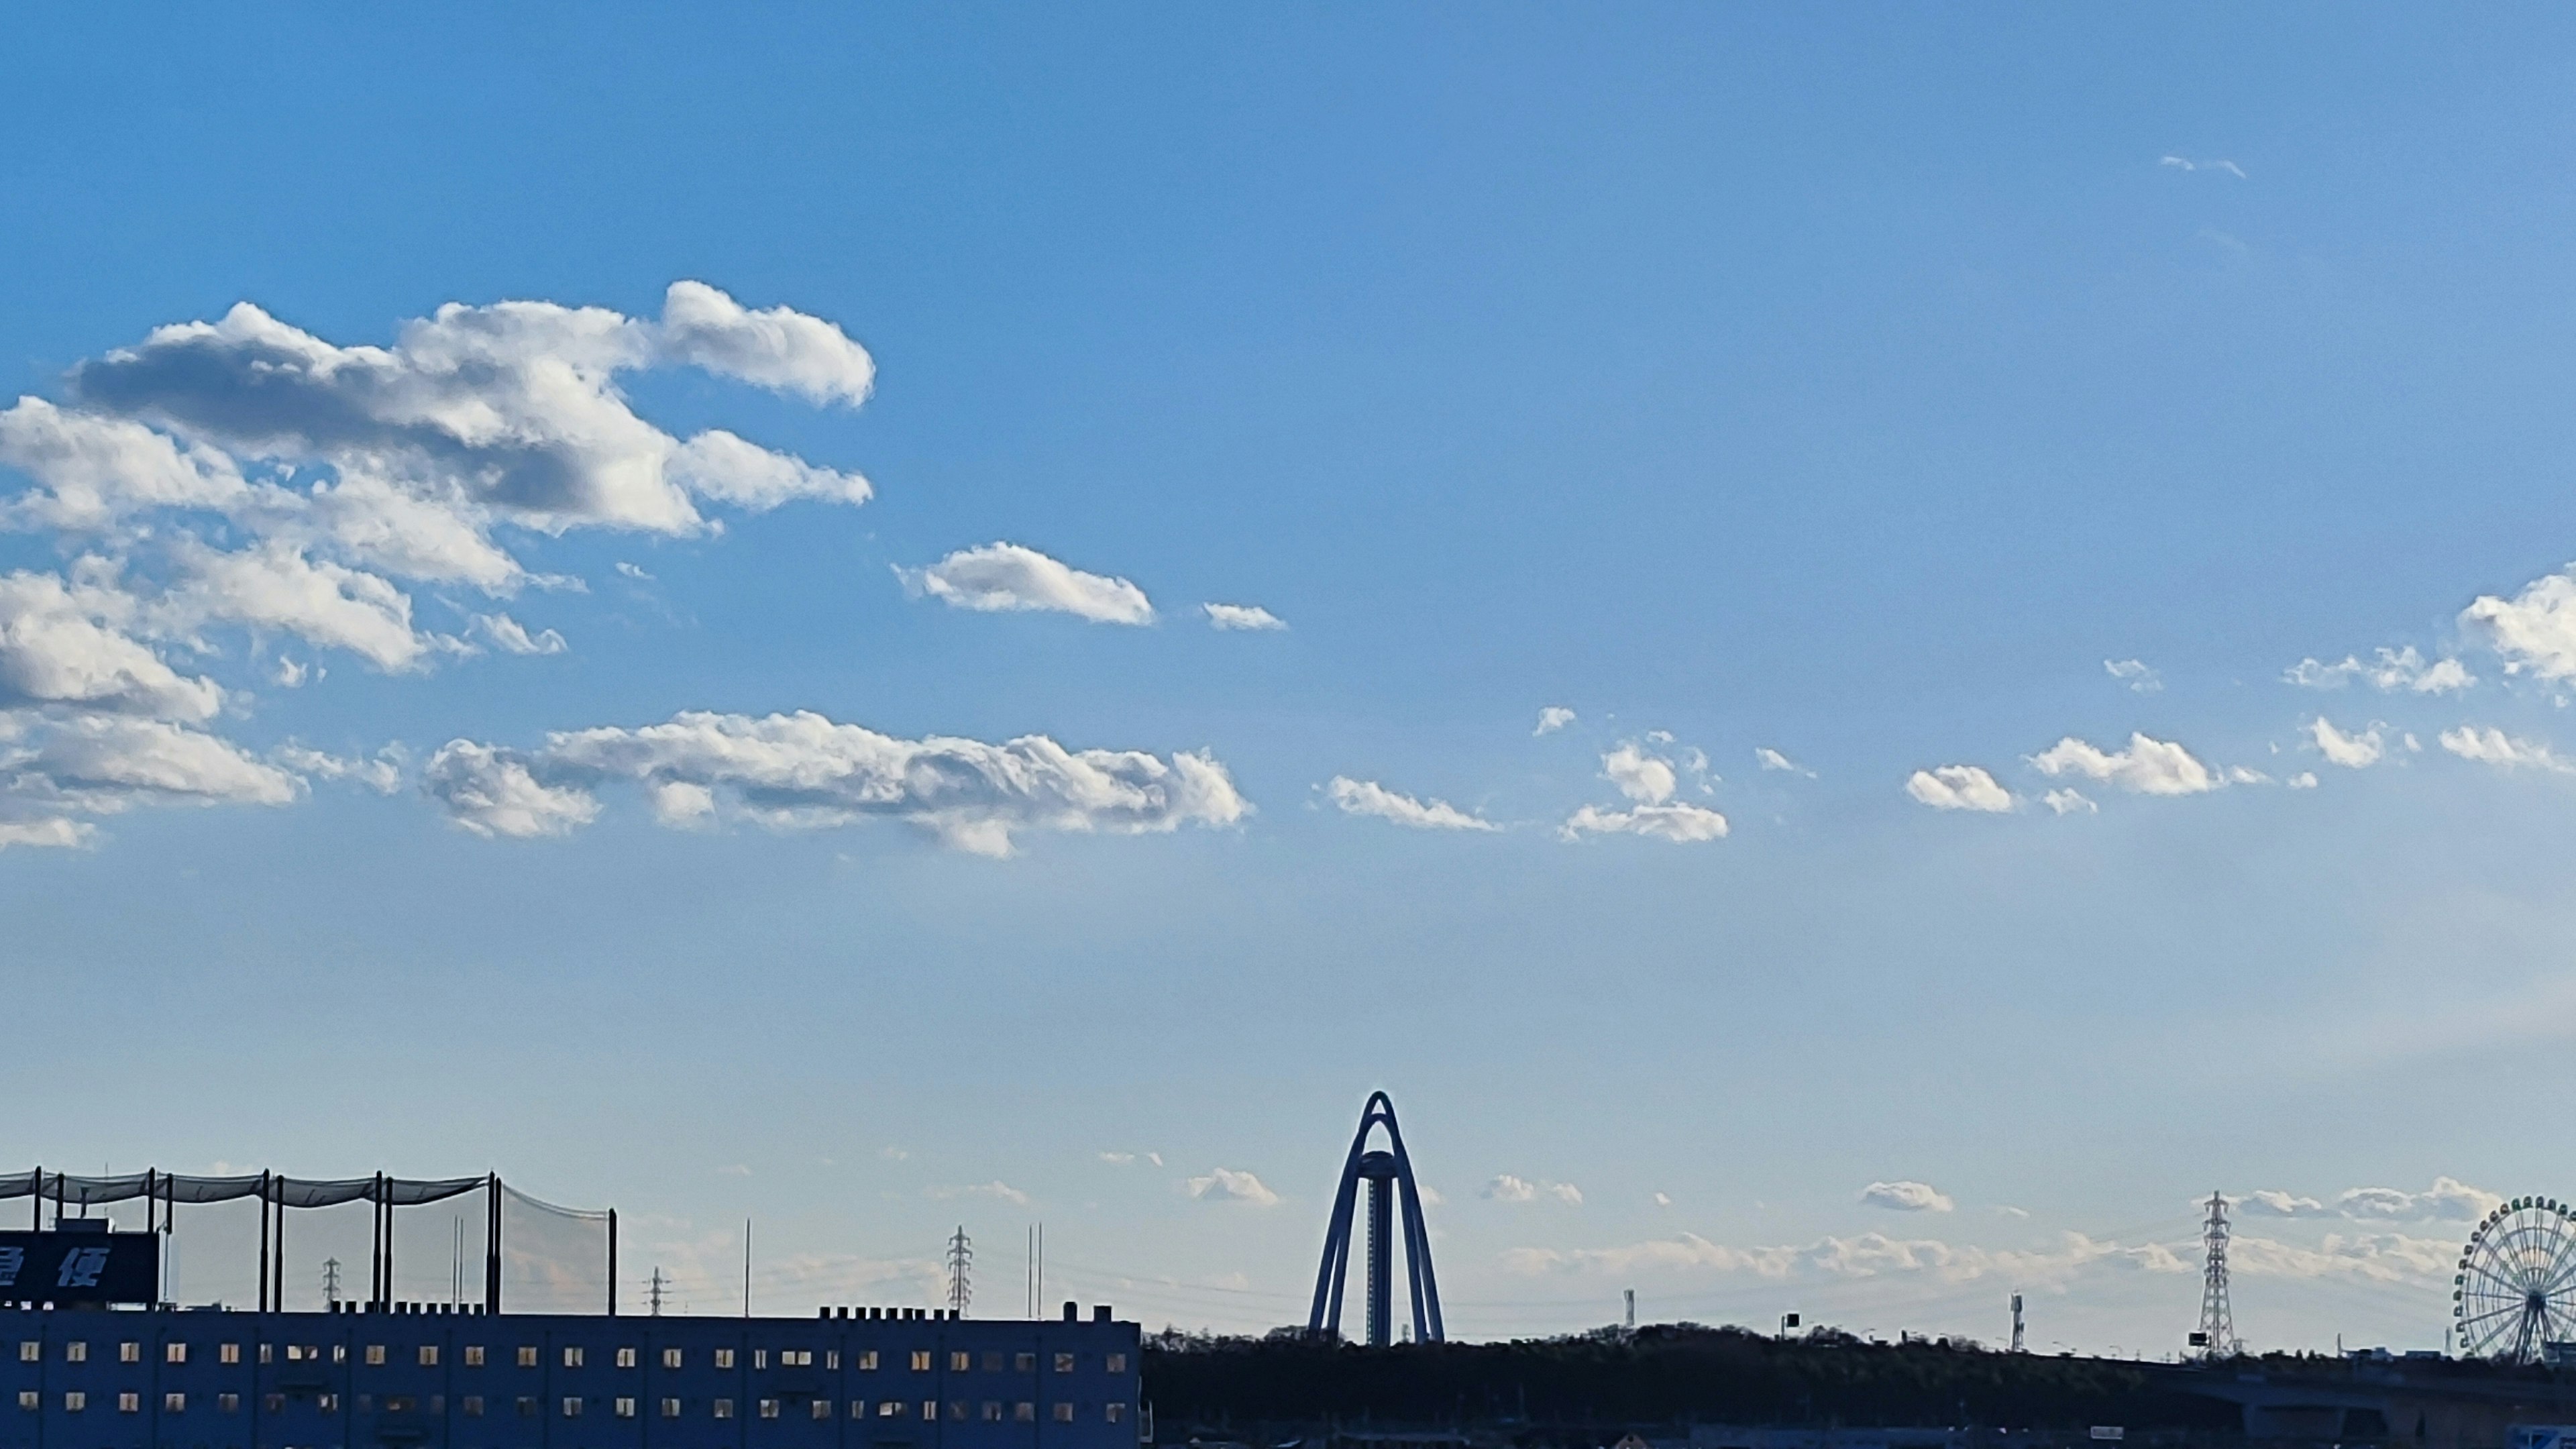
79	1267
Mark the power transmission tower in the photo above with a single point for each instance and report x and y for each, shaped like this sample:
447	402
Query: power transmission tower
2017	1348
653	1293
961	1258
331	1281
2217	1336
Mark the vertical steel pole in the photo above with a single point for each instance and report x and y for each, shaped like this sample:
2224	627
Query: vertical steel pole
492	1245
612	1262
263	1242
1381	1216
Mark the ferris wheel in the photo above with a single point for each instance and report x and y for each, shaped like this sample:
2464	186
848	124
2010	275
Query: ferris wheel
2516	1288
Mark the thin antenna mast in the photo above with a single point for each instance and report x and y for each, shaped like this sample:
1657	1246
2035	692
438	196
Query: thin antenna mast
2016	1347
746	1267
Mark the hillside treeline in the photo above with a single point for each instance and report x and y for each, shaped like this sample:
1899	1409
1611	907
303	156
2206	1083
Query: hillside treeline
1664	1375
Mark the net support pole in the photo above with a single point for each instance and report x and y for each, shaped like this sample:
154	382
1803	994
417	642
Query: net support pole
36	1204
263	1242
387	1179
277	1294
612	1262
492	1244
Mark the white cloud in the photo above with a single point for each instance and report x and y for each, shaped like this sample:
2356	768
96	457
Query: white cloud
1242	616
2494	747
2183	163
634	571
510	637
2390	671
382	774
774	347
2304	780
1118	1159
275	585
1005	576
1224	1184
2134	673
2146	767
54	770
1648	780
994	1189
1868	1255
1959	787
1507	1188
59	646
1771	759
2353	752
2375	1257
2535	631
2447	1200
803	771
1906	1197
1366	797
719	466
92	472
1663	1200
2069	802
1553	718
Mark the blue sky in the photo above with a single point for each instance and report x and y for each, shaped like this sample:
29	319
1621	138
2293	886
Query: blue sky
1904	393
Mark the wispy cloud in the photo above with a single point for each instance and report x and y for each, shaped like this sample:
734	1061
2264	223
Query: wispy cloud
2352	752
1225	1184
1907	1197
1771	759
2490	746
1367	797
2184	163
1553	718
2390	671
994	1189
1242	617
2133	673
2145	767
1006	577
1508	1188
1959	787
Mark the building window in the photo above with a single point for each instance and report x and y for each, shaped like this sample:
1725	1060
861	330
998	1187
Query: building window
429	1355
330	1403
527	1406
228	1353
670	1408
670	1358
1118	1363
473	1355
527	1356
375	1354
273	1403
30	1350
174	1403
796	1358
294	1354
959	1361
129	1403
174	1353
957	1409
626	1358
1063	1412
858	1408
868	1361
265	1350
769	1408
572	1356
1064	1363
339	1353
30	1400
366	1402
626	1408
760	1358
724	1358
76	1353
227	1403
930	1411
889	1409
724	1408
992	1363
473	1406
992	1411
129	1352
921	1360
1026	1363
1024	1412
75	1401
572	1406
831	1358
822	1408
1117	1412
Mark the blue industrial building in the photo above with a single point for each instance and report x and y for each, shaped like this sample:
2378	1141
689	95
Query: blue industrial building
97	1378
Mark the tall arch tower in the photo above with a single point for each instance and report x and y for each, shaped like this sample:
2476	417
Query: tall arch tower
1389	1175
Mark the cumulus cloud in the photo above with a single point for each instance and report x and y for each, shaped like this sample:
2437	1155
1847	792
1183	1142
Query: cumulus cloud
381	773
1507	1188
1959	787
2535	630
1648	780
2133	673
1006	576
2389	671
247	477
54	770
803	771
2069	802
2447	1200
2304	780
2146	767
1906	1197
1868	1255
1553	718
2353	752
1771	759
2492	746
1242	616
1224	1184
1367	797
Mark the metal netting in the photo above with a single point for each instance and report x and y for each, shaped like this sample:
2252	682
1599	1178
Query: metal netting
301	1244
